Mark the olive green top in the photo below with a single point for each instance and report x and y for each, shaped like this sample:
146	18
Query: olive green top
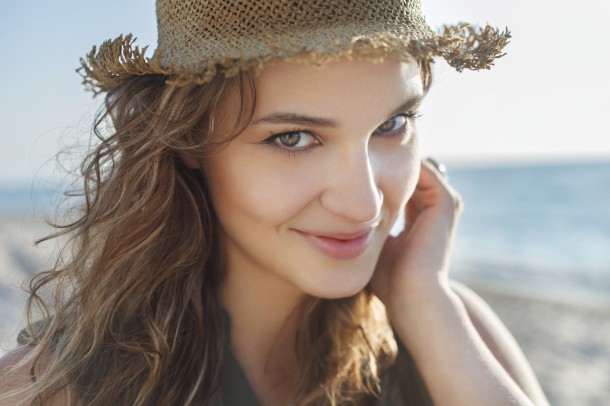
235	390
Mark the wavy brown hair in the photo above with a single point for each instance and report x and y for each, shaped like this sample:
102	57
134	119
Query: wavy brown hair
135	314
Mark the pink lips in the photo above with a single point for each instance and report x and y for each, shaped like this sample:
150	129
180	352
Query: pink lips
340	246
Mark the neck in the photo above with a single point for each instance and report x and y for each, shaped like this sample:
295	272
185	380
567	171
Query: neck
263	310
261	316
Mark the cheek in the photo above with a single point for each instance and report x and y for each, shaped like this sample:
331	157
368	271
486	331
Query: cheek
399	174
249	187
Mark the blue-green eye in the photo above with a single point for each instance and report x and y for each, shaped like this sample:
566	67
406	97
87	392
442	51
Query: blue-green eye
293	140
396	123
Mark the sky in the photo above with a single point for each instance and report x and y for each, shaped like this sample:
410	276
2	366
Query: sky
546	100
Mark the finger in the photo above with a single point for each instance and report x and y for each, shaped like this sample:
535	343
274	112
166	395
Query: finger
430	187
438	167
433	190
433	173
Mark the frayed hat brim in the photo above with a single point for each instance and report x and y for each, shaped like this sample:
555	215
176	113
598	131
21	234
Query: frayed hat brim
462	46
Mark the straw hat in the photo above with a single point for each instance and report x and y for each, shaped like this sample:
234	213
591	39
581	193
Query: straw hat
199	39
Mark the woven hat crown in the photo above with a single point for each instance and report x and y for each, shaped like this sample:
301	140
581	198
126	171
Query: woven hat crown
199	39
191	31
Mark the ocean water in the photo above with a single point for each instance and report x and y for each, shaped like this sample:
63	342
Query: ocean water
539	230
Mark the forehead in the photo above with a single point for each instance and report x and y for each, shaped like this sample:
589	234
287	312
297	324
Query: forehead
336	88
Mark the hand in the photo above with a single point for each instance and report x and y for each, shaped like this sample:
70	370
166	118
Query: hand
430	319
417	260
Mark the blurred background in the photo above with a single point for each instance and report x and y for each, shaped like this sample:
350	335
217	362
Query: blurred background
527	144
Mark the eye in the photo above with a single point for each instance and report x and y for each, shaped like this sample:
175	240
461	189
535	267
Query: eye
396	123
293	140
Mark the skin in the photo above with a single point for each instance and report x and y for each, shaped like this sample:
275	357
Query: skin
274	196
341	180
266	197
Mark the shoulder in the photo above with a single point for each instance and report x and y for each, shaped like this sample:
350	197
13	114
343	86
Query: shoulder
488	324
500	341
15	370
16	374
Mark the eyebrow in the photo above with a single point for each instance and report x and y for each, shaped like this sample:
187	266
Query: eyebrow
304	120
299	119
409	105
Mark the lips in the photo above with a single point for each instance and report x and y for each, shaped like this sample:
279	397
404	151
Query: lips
339	245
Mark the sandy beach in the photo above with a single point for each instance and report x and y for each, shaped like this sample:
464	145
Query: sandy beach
568	345
19	258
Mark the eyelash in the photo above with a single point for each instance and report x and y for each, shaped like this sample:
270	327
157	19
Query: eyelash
410	116
273	139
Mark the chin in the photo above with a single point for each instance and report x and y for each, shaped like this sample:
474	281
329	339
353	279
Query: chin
339	288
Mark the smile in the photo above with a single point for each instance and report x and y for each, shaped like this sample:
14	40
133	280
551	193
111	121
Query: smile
339	246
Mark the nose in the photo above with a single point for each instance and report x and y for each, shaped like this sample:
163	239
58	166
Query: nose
351	188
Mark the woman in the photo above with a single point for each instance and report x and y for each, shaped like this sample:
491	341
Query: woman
234	243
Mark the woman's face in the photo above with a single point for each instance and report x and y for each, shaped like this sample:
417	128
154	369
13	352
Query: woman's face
307	194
